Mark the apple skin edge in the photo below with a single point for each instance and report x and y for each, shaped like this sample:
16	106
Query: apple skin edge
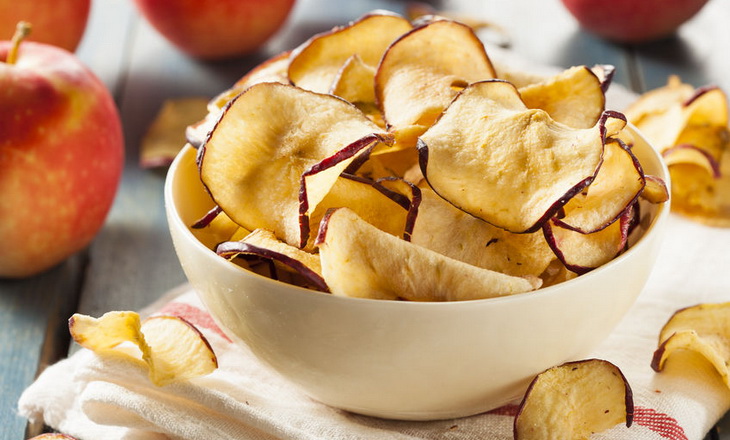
61	157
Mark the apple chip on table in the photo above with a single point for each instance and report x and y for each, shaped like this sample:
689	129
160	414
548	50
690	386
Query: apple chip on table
356	168
690	128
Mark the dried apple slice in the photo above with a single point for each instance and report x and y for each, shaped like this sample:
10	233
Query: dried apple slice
315	64
573	401
618	184
354	81
172	348
359	260
658	101
268	169
452	232
423	70
511	166
581	252
655	190
264	244
574	97
704	329
53	436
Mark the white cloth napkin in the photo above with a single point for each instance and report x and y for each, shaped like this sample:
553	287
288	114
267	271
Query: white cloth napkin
93	398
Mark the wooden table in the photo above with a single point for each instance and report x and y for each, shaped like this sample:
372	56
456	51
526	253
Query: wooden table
132	262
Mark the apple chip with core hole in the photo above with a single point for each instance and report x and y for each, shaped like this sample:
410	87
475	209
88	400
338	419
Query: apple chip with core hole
573	401
514	167
618	184
452	232
574	97
268	168
423	70
359	260
315	64
172	348
704	329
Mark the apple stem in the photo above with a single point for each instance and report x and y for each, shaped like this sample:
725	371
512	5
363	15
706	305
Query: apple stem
21	31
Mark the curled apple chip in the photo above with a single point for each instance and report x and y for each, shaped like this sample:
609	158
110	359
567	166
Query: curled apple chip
165	136
452	232
268	169
264	244
704	329
316	64
573	401
172	348
583	252
574	97
423	70
359	260
511	166
618	184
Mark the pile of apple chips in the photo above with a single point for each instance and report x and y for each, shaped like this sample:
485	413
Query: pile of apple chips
690	128
388	159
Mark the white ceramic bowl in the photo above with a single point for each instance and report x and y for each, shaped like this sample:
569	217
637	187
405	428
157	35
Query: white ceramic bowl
404	360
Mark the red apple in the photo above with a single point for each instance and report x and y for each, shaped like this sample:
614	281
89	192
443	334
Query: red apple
633	21
57	22
61	156
216	29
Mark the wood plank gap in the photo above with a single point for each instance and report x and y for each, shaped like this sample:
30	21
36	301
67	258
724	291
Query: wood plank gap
125	65
636	77
57	339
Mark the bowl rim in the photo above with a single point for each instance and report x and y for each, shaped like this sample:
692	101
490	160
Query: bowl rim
660	217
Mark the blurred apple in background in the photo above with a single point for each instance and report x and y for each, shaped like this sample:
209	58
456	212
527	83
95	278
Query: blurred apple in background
57	22
633	21
61	156
216	29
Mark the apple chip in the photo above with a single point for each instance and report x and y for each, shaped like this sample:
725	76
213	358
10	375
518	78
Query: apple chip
315	65
452	232
574	97
52	436
581	252
511	166
704	329
264	244
618	184
268	169
172	348
655	190
658	101
423	70
214	227
573	401
359	260
165	136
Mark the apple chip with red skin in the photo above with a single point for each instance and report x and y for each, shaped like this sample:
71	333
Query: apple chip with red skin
514	167
618	184
268	169
317	63
170	347
573	401
359	260
424	69
704	329
574	97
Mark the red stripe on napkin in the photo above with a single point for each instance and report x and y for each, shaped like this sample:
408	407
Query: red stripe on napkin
661	423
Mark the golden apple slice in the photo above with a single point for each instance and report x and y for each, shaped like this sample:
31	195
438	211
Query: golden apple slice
423	70
574	97
52	436
583	252
354	81
452	232
658	101
316	63
359	260
704	329
511	166
172	348
214	228
268	168
617	185
655	190
178	350
573	401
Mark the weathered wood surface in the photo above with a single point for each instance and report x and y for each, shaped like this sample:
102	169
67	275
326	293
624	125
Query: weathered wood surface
132	261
